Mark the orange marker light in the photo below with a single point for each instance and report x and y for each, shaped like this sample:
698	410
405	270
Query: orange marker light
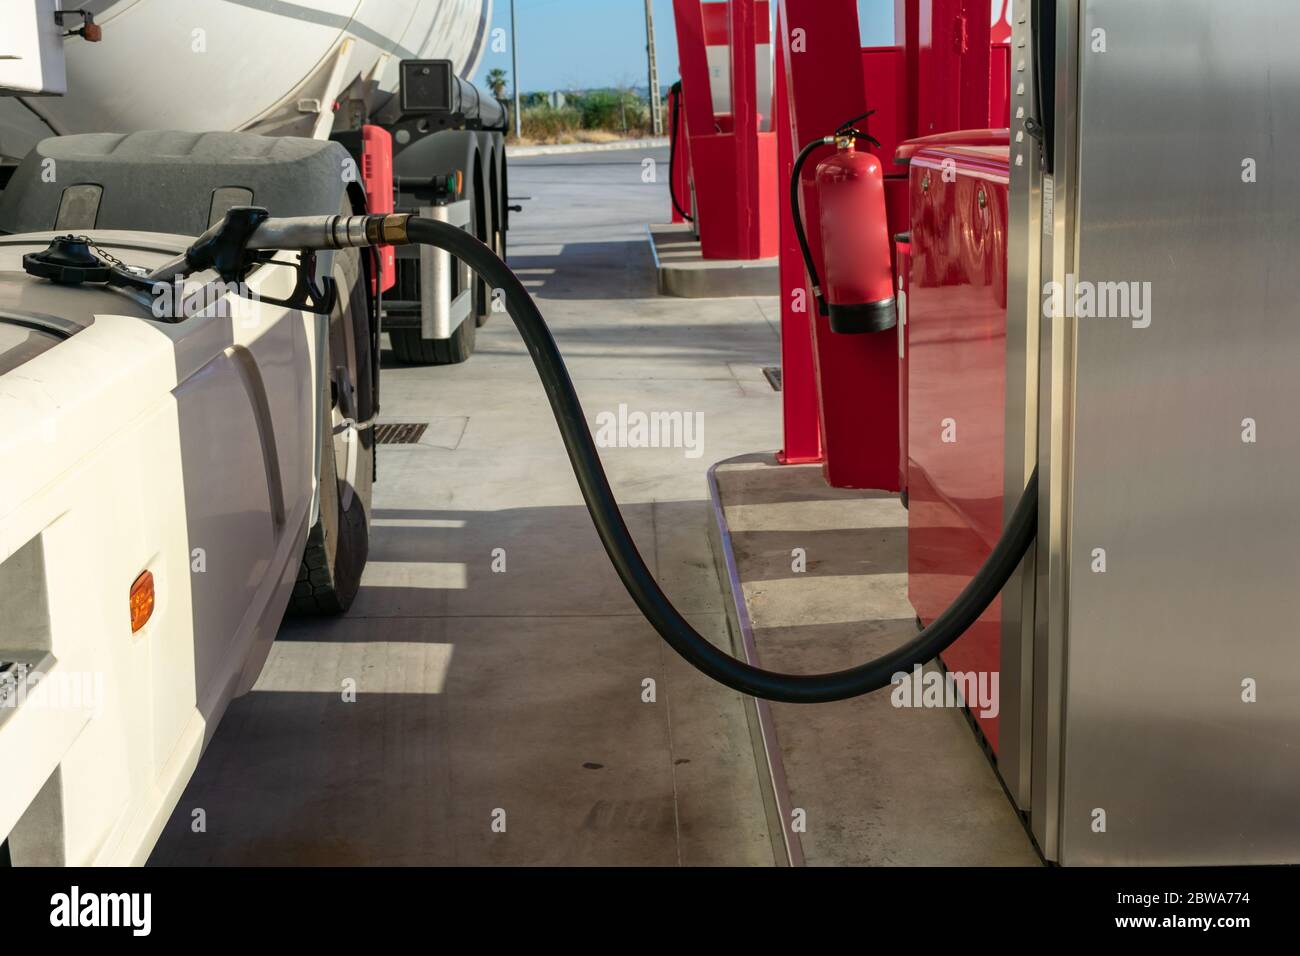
142	600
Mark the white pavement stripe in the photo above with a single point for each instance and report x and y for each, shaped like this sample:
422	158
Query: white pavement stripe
433	575
374	667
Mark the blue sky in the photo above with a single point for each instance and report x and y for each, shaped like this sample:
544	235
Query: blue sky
566	44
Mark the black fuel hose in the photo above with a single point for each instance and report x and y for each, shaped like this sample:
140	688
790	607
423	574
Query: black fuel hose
675	94
631	567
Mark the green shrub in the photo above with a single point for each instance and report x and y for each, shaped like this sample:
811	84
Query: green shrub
611	110
543	123
600	116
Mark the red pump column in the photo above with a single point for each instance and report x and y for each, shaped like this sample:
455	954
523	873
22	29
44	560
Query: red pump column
734	169
801	415
856	375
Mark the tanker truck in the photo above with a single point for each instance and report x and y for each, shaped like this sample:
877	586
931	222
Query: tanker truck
328	69
185	460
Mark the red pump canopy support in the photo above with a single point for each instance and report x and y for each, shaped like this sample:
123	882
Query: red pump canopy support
856	376
799	401
732	160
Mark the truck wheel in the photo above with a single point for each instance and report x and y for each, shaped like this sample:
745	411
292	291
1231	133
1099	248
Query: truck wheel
337	546
412	349
485	230
498	245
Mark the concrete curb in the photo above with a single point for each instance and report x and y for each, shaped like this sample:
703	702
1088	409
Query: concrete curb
558	150
770	764
683	271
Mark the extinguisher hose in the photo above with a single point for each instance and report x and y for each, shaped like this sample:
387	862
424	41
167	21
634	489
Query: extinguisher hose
797	215
631	567
675	94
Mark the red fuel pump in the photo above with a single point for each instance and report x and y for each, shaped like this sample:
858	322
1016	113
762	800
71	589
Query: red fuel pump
847	198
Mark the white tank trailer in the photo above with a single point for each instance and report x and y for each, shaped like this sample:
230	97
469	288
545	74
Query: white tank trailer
239	65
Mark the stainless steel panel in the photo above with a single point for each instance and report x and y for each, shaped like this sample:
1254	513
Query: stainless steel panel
1023	229
1055	368
1200	529
444	307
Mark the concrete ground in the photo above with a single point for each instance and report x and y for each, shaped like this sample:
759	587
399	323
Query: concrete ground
517	700
876	784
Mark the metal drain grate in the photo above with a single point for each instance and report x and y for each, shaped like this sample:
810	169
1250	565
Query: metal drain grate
773	375
399	433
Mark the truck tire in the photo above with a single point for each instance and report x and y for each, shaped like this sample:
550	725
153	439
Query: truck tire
495	212
410	348
339	543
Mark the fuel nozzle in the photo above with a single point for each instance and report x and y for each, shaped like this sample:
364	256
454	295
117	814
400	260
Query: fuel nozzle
330	232
248	233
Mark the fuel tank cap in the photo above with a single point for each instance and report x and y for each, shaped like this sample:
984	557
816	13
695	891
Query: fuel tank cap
67	260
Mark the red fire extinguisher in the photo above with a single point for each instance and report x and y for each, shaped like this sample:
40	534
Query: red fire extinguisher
848	201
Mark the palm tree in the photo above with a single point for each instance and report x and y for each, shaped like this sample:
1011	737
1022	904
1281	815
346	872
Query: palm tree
496	81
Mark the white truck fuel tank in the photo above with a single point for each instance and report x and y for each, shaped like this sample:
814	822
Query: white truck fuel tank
279	64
